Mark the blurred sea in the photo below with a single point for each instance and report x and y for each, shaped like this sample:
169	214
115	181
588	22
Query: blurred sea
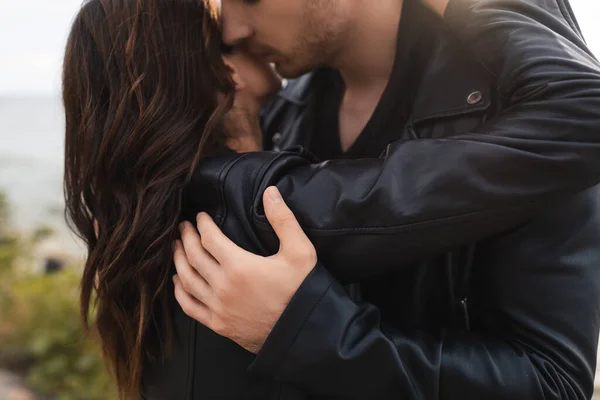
31	156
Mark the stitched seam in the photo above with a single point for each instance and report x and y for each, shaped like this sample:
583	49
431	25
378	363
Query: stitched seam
261	174
465	43
222	178
259	183
287	351
400	228
440	369
191	364
455	112
567	16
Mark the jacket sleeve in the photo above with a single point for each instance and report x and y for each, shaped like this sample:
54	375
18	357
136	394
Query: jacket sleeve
433	194
534	320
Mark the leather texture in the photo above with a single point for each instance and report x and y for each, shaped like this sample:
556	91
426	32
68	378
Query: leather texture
475	237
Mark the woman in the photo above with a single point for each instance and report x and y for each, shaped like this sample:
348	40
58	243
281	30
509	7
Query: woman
147	92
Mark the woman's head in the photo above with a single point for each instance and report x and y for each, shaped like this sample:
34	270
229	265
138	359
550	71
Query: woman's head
255	80
145	91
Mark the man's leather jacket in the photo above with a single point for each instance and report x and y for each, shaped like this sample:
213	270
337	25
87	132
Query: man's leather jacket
479	266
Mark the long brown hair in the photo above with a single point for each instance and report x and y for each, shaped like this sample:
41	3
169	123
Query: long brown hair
145	90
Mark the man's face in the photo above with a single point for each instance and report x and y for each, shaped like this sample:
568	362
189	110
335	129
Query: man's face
296	35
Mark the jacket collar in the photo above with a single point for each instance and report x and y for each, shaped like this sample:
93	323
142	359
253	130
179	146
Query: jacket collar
454	83
298	90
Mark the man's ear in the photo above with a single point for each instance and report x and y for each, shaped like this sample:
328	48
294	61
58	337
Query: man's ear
237	78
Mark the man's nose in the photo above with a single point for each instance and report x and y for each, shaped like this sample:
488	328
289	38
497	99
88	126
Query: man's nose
235	27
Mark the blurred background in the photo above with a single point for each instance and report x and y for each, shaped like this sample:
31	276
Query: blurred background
42	350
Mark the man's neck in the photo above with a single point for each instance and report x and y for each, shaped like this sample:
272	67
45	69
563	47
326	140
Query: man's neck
366	63
367	59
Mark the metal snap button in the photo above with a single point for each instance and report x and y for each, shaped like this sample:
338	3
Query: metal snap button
276	137
474	97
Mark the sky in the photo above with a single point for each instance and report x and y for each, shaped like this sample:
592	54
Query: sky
33	34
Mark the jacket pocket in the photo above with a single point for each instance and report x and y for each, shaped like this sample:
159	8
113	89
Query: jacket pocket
453	123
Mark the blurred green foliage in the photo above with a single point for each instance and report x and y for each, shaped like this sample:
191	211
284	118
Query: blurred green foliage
40	325
9	248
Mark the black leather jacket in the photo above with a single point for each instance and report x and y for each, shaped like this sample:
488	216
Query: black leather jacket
479	267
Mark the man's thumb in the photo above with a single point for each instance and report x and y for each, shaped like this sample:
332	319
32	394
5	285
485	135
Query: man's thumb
284	223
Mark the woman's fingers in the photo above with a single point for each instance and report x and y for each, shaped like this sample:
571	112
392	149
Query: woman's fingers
190	280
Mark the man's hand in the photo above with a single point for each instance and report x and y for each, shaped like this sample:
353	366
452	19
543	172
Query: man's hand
235	293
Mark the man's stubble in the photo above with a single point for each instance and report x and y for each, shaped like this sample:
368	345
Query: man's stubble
324	30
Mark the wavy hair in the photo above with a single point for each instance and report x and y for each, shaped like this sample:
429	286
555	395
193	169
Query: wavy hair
145	91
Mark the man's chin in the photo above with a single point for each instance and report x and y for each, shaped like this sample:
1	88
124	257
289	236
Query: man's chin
290	71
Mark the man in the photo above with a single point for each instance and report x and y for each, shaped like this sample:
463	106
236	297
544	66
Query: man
504	301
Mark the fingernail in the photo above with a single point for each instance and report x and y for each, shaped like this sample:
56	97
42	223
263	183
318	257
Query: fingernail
175	279
274	195
181	226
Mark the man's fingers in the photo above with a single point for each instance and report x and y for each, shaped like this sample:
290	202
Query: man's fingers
190	306
214	240
190	279
284	222
197	256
